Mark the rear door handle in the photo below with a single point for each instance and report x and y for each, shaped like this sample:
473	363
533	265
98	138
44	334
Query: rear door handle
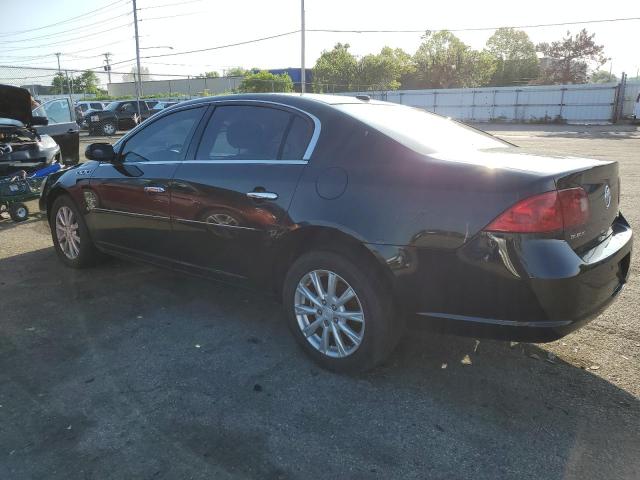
154	189
263	195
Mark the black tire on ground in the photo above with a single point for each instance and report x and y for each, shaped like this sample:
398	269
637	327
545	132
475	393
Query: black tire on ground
108	128
88	254
18	212
382	330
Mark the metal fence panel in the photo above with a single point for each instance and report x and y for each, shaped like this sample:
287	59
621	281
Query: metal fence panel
589	103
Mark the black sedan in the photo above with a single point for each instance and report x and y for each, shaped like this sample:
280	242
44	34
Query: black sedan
358	214
118	115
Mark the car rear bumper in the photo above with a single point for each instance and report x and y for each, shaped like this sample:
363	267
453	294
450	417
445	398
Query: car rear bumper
513	288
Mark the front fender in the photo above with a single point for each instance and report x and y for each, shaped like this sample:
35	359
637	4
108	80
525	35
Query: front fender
69	181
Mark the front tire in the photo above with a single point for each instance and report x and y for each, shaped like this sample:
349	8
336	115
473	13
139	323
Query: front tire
340	311
70	235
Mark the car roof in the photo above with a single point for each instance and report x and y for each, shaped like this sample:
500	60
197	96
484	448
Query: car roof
299	100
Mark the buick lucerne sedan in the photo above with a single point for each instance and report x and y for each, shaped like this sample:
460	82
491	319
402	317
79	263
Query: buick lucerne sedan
360	215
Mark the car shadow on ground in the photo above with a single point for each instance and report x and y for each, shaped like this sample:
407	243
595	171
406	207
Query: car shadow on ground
126	371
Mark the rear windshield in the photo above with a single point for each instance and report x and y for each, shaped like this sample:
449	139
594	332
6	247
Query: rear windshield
419	130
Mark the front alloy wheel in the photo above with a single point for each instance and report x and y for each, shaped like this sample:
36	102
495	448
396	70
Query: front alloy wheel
70	235
67	232
329	313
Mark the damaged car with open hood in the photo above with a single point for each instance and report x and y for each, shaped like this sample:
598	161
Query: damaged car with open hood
32	138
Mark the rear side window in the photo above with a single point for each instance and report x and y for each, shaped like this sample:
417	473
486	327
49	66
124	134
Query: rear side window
96	106
298	138
240	132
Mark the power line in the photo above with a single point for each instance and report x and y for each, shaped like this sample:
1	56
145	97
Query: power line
68	20
170	16
219	47
44	45
170	4
70	31
474	29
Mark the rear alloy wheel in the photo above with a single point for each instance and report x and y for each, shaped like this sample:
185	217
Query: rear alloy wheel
70	234
109	128
340	311
329	313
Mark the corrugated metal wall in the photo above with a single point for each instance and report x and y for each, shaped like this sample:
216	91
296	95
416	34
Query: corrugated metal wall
588	103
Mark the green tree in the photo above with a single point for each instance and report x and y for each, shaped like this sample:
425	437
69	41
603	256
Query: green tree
212	74
515	57
236	72
568	60
59	83
264	81
602	76
445	61
87	82
335	70
384	70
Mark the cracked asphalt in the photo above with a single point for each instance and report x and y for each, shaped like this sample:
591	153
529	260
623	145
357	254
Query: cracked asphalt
129	372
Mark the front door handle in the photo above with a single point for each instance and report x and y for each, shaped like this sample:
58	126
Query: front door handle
263	195
154	189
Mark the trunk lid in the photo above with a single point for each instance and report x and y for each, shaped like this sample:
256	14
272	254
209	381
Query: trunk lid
602	186
598	178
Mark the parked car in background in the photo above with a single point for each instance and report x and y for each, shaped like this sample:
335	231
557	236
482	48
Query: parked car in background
119	115
636	110
62	127
21	146
162	105
82	108
358	214
32	139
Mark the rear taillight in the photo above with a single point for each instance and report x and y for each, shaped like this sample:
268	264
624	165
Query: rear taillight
548	212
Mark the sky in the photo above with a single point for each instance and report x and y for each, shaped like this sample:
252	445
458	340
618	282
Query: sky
31	40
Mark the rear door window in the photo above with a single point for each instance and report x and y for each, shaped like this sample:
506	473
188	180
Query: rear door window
298	138
96	106
241	132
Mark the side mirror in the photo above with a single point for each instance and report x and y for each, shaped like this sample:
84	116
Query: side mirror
103	152
35	120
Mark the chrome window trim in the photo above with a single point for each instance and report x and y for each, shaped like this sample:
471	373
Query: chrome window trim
317	124
221	162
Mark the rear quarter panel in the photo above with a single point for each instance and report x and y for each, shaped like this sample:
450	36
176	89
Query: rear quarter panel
387	194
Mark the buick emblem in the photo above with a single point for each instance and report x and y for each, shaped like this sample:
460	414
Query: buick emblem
607	196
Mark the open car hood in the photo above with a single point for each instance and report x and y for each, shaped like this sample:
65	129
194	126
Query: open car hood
15	104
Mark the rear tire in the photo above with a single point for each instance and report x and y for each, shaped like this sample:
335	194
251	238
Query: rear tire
18	212
362	344
70	235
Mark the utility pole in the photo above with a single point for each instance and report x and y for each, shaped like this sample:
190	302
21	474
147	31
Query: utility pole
303	79
59	71
107	67
139	82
